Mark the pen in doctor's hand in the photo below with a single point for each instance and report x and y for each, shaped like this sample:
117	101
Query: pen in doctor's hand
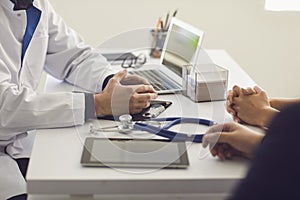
154	111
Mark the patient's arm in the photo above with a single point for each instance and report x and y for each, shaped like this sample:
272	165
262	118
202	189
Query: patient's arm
280	103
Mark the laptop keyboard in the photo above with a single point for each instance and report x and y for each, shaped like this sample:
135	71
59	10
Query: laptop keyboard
158	79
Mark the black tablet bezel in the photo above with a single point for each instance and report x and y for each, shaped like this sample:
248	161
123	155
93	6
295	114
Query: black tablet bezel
139	116
88	145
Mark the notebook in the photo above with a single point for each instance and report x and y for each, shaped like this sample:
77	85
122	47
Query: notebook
182	45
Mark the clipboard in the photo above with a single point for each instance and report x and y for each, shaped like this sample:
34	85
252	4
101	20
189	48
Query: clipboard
155	109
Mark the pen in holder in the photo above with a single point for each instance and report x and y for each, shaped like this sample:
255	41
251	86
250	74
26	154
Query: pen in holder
204	82
158	39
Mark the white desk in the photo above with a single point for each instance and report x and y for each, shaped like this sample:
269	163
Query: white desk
55	162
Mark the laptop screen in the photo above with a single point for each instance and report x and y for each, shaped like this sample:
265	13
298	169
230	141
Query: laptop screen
180	48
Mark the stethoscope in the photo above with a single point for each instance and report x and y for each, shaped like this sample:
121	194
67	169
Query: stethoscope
155	126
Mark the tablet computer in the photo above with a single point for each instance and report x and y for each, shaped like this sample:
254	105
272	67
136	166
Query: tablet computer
154	110
138	153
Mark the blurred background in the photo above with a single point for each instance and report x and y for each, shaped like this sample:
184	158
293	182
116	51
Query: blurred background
266	44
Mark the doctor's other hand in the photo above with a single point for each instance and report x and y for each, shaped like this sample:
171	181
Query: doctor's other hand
117	99
231	139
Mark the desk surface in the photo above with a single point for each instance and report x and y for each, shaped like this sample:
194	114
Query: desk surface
55	161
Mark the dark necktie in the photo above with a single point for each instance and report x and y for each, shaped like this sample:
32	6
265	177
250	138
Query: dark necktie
22	4
33	17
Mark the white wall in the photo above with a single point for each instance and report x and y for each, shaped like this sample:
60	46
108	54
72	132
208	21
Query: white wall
265	44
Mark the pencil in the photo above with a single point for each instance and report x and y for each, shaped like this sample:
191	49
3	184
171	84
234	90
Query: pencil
156	32
155	35
157	25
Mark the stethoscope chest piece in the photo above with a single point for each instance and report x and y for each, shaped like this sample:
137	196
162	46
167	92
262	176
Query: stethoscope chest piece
126	124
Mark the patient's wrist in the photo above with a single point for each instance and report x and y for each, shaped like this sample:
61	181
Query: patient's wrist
273	103
267	116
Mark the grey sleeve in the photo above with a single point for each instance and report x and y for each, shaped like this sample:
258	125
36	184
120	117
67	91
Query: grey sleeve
90	112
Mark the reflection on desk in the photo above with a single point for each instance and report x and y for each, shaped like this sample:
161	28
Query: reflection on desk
55	161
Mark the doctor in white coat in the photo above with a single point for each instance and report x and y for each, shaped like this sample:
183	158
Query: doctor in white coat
60	51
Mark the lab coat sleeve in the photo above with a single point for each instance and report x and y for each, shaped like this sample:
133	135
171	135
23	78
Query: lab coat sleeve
69	59
21	109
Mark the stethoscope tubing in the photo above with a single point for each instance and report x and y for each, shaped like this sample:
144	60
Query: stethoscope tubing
172	135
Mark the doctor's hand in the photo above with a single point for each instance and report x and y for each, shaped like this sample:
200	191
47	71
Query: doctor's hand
231	139
117	99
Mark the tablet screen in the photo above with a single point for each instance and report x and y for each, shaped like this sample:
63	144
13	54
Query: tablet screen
134	153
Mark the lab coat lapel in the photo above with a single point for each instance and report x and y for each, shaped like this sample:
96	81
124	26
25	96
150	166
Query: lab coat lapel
7	4
35	55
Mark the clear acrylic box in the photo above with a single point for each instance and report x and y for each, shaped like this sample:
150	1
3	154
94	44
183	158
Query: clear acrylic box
205	82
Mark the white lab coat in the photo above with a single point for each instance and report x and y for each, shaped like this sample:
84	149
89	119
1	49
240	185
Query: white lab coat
58	50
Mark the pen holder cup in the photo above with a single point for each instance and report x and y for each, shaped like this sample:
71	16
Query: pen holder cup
157	42
204	82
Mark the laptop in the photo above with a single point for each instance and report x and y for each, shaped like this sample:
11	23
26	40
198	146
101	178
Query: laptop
181	47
